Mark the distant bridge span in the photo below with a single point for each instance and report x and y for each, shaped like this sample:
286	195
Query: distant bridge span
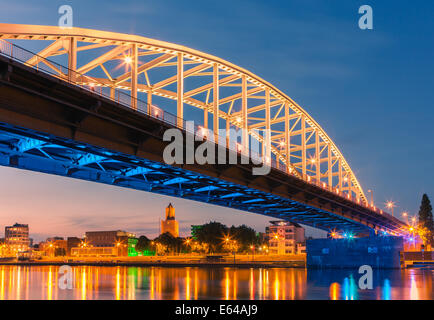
101	120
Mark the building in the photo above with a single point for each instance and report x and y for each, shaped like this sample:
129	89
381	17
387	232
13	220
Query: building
285	237
53	247
104	243
132	252
2	248
170	224
17	238
72	242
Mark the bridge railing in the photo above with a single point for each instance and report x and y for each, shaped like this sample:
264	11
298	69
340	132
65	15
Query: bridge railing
90	84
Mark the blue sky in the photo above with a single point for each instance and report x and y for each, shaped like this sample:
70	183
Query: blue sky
371	90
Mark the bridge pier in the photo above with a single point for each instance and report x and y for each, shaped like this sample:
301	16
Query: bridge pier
377	252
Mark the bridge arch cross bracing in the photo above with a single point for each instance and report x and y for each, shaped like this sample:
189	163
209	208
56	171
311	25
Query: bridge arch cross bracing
231	95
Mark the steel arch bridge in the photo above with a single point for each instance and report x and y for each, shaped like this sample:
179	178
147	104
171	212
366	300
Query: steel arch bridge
145	73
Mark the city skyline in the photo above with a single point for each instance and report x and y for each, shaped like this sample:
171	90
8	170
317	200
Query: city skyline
319	82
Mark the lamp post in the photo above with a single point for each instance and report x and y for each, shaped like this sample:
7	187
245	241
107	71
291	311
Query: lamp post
405	215
372	197
413	220
234	248
390	205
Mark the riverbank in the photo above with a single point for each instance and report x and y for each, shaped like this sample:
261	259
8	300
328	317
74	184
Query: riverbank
292	261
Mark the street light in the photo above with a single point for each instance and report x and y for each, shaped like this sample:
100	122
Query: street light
372	197
390	205
405	215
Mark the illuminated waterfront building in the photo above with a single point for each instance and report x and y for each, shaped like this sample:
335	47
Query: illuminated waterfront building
104	243
17	237
285	237
170	224
52	247
72	242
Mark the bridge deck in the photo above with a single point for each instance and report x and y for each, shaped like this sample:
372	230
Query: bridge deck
51	126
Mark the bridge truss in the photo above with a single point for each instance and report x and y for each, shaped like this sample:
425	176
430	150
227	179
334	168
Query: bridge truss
218	93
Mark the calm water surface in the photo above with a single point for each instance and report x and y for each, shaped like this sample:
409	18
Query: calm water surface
35	282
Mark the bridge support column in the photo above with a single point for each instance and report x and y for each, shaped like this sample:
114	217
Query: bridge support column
245	133
317	159
72	59
149	101
180	91
134	65
216	98
267	134
303	146
330	166
377	252
287	138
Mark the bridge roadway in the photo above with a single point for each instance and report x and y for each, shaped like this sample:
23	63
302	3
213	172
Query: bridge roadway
51	126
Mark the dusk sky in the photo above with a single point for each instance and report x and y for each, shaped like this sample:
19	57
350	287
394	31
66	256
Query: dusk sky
372	91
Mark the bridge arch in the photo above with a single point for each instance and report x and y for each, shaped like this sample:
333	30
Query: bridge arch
234	97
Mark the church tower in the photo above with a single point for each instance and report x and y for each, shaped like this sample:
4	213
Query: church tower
170	224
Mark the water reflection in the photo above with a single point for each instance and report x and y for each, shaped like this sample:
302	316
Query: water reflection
386	290
41	282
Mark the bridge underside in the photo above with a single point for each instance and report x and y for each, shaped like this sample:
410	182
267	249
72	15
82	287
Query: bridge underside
31	150
48	125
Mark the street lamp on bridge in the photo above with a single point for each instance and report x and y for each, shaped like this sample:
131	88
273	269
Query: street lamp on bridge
390	205
372	197
405	215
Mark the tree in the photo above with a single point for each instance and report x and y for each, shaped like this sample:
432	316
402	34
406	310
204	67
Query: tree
245	237
143	244
212	234
425	213
426	217
171	243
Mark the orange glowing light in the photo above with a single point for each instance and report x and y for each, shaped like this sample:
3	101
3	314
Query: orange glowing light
390	204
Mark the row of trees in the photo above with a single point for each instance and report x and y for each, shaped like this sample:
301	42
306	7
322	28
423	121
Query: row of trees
212	237
221	238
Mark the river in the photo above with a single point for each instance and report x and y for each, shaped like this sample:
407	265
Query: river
88	282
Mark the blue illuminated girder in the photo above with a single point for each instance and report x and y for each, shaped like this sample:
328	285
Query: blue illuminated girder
26	149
